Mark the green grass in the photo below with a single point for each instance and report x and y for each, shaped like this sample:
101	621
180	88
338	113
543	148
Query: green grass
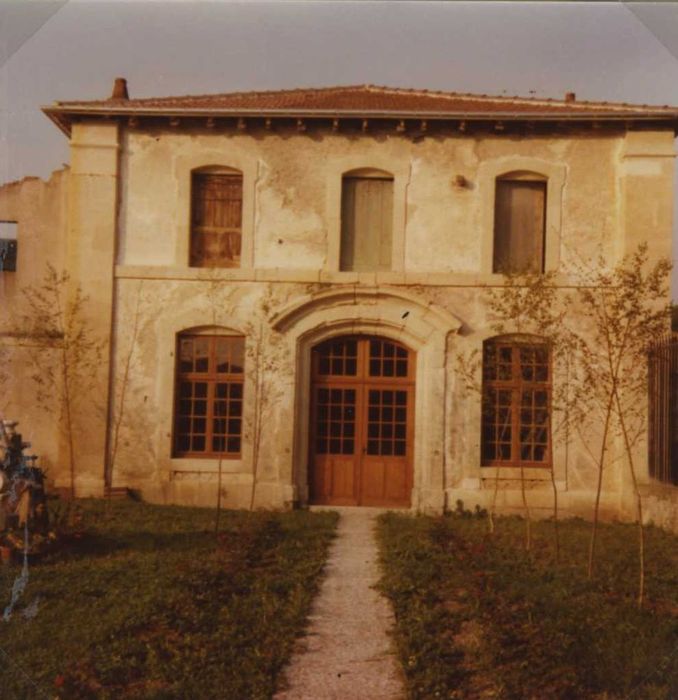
479	617
150	604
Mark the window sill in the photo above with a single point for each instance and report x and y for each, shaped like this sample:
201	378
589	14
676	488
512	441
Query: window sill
206	464
659	488
528	473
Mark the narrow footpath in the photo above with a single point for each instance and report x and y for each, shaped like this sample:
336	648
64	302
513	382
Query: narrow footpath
347	653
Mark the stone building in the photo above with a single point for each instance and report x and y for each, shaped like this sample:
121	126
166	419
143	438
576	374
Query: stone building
281	282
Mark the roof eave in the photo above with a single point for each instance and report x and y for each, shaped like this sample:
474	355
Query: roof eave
61	114
63	125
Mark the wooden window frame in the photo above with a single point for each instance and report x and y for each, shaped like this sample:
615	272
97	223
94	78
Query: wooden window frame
211	377
518	178
516	384
364	376
362	359
198	230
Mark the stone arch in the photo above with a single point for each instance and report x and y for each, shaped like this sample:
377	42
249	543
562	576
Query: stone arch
391	306
516	337
528	175
402	316
367	172
216	169
209	329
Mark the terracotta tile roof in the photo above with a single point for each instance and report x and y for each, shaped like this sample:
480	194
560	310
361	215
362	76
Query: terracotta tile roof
366	100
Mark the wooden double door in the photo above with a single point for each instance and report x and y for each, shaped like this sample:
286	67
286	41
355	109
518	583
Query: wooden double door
362	422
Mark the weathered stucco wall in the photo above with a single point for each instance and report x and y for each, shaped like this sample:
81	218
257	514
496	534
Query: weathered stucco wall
292	188
144	395
447	426
127	246
40	209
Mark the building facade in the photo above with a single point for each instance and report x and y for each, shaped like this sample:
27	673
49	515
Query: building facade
280	285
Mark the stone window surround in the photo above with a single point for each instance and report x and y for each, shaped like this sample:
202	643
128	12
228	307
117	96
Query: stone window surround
473	474
337	168
173	326
214	159
555	174
210	378
198	181
516	382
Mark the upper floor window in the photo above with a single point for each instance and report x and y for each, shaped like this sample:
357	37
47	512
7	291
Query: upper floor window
209	395
216	217
516	402
519	223
366	220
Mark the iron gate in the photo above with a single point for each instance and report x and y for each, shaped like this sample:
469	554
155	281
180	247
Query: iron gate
663	409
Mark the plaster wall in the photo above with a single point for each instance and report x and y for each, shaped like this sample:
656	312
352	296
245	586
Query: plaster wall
40	209
123	234
292	191
143	391
291	201
447	426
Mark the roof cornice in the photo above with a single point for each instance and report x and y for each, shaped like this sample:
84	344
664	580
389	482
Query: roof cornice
299	104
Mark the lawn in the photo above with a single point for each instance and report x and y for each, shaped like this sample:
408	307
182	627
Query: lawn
478	617
149	603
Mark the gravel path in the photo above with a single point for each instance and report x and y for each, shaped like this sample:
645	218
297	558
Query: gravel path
347	652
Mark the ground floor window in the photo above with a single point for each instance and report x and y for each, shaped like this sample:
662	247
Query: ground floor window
208	395
516	402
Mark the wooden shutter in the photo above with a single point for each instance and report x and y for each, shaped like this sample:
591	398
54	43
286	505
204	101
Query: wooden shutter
366	223
519	223
216	220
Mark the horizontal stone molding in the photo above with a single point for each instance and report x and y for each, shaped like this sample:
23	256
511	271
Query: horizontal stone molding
305	276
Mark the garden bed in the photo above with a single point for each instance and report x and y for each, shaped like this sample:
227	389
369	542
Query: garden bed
478	617
148	602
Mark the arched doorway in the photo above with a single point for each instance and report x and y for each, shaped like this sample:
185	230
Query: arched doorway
362	422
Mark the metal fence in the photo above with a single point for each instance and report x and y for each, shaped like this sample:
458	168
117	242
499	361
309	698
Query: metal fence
663	409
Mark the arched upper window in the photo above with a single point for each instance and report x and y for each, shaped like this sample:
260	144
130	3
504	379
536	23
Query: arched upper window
516	402
216	217
519	223
208	395
366	220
